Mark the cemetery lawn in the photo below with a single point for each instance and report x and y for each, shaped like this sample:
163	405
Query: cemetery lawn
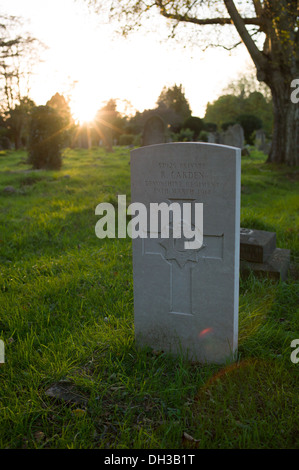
66	318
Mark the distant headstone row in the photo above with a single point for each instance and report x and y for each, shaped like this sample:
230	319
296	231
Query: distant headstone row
154	132
233	136
261	142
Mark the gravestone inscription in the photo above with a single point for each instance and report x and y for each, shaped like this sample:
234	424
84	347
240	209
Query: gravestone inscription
186	300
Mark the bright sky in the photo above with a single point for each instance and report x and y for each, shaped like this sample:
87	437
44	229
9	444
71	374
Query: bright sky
88	61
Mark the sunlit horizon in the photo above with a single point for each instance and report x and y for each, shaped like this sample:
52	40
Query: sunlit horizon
89	64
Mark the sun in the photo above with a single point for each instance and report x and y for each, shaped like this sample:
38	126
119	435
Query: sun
83	112
83	107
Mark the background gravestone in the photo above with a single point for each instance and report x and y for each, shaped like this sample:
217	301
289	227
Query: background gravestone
234	136
261	141
187	300
154	131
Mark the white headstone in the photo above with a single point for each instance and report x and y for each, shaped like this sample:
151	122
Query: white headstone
186	301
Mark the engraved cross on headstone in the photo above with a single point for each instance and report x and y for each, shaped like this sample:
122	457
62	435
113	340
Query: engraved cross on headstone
182	263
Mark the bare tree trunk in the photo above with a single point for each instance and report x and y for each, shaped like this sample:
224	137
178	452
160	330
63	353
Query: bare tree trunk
277	65
18	139
285	142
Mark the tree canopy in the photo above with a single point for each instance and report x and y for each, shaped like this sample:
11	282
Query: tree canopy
268	29
18	52
242	97
174	99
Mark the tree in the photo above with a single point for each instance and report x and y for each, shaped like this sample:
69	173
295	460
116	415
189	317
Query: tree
174	98
273	22
173	107
108	124
254	98
18	121
60	104
227	108
250	123
257	105
45	138
18	53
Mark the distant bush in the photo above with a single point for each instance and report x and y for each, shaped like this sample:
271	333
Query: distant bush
203	136
185	135
137	140
250	123
46	138
126	139
195	124
210	127
4	139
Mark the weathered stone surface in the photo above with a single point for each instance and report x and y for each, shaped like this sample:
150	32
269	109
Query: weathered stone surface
276	267
186	301
234	136
154	131
256	245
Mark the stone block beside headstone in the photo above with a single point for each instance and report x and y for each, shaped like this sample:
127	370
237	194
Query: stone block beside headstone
186	300
256	245
259	255
275	268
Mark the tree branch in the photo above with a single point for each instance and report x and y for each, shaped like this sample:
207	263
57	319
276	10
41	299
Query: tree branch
228	48
202	21
258	8
257	56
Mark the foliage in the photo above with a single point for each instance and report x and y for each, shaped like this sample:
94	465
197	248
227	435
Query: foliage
226	125
45	138
269	31
210	126
4	140
185	135
172	107
247	84
18	121
109	124
203	136
250	123
19	51
126	139
60	104
194	123
225	109
174	99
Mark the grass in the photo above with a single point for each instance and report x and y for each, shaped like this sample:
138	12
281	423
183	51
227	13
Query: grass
67	316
